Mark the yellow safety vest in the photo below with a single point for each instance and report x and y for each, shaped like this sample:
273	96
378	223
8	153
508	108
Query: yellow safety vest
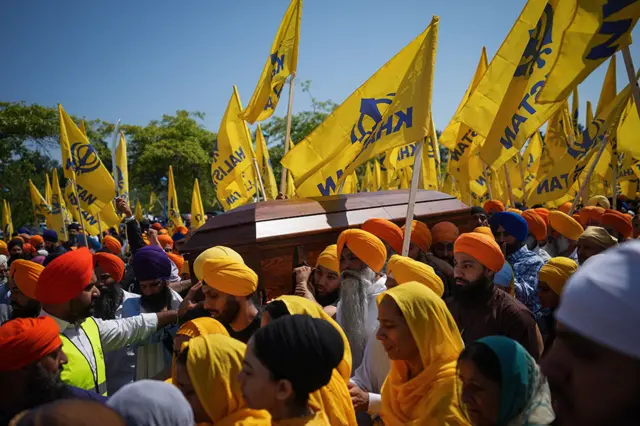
77	372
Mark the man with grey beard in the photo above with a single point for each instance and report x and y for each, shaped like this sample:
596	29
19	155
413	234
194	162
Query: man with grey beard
362	259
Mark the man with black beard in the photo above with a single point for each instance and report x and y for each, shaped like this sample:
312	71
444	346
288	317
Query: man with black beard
478	307
31	360
23	277
152	268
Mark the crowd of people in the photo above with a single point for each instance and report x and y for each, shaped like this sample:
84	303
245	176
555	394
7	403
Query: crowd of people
517	317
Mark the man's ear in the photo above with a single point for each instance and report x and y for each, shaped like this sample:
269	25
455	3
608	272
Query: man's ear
489	274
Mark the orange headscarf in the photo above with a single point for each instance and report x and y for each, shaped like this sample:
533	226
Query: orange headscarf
420	235
65	277
366	246
112	244
428	398
24	341
165	240
544	214
536	224
36	240
482	248
493	206
444	232
619	222
25	274
177	260
111	264
387	231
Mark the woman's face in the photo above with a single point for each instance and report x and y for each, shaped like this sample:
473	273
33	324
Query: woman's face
258	390
480	395
183	382
394	332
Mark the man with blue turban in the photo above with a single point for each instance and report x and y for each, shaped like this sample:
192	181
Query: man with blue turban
511	231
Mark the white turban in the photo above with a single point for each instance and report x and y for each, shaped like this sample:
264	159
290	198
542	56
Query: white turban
600	301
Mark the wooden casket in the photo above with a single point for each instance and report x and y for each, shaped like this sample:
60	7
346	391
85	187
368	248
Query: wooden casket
275	236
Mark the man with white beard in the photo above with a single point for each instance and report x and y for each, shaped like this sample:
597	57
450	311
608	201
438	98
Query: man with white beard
362	259
563	235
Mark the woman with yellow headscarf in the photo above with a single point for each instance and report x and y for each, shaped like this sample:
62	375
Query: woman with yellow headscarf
207	374
423	342
333	398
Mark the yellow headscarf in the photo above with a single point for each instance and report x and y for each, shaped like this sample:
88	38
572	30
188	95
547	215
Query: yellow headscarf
213	364
229	276
329	258
333	398
194	328
3	248
216	252
556	272
404	270
316	419
430	397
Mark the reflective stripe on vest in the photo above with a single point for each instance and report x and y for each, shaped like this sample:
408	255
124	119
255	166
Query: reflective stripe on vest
77	371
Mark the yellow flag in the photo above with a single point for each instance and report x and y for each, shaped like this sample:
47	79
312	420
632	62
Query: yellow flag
518	114
562	177
282	62
367	178
264	164
152	201
350	184
597	30
574	111
82	128
377	176
400	157
82	164
40	205
139	214
609	87
317	165
90	221
232	168
628	188
429	165
122	168
59	216
629	130
7	223
291	186
47	188
174	219
197	210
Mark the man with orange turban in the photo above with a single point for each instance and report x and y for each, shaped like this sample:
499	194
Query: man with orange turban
31	358
37	242
23	277
618	225
564	232
229	287
440	258
112	244
421	240
479	308
66	289
166	242
362	259
388	232
493	206
537	237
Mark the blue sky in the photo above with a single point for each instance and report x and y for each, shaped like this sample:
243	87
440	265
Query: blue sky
137	60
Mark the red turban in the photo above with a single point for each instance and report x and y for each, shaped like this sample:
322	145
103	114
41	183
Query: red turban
112	244
24	341
619	222
165	240
493	206
28	248
177	260
65	277
387	231
482	248
110	264
536	224
444	232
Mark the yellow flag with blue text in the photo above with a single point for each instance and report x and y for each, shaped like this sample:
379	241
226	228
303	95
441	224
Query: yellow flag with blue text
174	220
519	114
597	30
82	164
7	222
350	184
40	205
90	221
264	164
317	165
232	169
282	62
47	188
198	217
122	169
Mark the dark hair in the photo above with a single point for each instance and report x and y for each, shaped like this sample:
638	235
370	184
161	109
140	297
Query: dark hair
184	354
277	309
485	360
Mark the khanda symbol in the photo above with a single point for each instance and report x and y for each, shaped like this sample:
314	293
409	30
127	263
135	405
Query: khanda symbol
85	159
370	115
198	217
539	40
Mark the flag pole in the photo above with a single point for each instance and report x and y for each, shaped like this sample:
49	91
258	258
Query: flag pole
287	137
417	164
524	184
486	179
75	189
603	145
255	165
635	90
509	197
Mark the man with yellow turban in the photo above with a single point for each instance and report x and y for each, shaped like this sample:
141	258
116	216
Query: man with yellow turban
229	287
478	307
420	240
402	270
593	241
23	277
563	235
362	258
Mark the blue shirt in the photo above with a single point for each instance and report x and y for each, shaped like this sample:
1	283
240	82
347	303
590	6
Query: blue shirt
526	266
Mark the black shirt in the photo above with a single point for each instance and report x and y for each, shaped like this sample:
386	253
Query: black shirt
245	335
